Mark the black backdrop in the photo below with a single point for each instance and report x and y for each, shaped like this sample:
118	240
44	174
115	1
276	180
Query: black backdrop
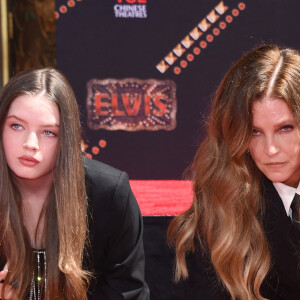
92	43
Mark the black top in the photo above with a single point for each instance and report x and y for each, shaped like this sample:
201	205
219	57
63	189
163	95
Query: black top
283	281
116	232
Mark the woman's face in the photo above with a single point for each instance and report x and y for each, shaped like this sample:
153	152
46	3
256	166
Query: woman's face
275	143
30	137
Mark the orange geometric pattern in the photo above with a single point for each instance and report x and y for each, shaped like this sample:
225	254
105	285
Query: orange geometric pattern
189	40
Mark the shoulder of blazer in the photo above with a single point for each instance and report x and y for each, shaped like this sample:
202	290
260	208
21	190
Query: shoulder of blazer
273	202
101	177
95	168
107	188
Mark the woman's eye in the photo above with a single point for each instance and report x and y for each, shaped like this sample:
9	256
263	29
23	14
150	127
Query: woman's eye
255	132
49	133
286	127
16	126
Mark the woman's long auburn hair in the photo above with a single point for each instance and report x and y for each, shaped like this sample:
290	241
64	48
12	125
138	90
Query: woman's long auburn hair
65	210
225	217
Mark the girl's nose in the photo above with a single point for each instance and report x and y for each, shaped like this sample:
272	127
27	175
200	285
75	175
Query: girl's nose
32	142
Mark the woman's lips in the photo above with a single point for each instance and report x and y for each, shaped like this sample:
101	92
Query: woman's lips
275	164
28	161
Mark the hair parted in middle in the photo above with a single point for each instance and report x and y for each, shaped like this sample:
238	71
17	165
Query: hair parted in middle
224	219
65	210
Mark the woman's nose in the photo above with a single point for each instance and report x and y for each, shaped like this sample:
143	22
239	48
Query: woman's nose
32	141
271	147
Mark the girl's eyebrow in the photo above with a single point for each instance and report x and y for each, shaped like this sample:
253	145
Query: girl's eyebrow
21	120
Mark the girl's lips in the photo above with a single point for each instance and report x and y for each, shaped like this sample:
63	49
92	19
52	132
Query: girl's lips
28	161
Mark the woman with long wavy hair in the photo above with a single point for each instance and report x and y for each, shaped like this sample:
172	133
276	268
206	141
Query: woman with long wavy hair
240	239
56	205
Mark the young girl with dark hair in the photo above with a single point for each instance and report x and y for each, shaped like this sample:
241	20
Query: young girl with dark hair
70	227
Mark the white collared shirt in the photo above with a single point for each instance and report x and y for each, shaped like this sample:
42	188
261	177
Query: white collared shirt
286	194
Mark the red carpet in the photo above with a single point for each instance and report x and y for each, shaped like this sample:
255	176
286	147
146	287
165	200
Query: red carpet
162	197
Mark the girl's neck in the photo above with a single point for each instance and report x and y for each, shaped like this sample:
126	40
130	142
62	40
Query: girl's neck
33	196
34	190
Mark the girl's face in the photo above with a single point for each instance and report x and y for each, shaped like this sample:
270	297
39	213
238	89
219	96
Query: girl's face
30	137
275	144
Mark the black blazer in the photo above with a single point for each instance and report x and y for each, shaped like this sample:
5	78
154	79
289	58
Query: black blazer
284	240
116	255
283	281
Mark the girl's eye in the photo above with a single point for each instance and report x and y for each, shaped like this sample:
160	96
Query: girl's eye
16	126
49	133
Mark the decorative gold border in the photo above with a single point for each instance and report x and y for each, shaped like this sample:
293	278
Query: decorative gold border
4	42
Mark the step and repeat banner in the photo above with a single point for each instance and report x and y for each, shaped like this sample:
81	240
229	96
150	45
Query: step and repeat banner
144	73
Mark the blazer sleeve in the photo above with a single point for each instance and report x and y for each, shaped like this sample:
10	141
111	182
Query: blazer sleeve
116	230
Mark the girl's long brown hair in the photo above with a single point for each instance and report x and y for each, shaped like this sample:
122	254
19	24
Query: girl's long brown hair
224	218
65	210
